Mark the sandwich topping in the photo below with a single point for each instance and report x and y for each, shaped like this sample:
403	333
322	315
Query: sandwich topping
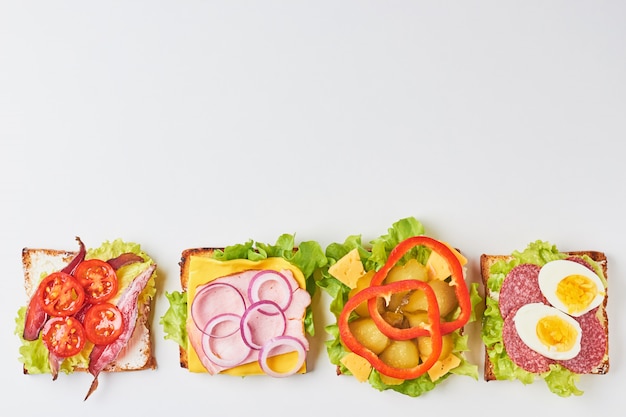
545	317
59	295
394	319
103	354
98	279
571	286
400	318
64	336
36	314
247	317
556	321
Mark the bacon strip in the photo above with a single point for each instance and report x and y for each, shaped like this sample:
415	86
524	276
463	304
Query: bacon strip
124	259
55	365
102	355
69	269
35	319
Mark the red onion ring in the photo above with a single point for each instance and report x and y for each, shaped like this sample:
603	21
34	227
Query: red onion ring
199	317
265	276
207	336
289	341
219	319
261	307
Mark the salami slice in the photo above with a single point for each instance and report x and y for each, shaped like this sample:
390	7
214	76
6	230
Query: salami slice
581	261
593	344
520	287
519	352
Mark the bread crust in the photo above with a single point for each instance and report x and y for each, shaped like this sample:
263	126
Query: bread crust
486	261
138	354
184	279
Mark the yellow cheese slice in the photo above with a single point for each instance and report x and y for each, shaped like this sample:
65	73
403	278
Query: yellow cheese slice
389	380
440	368
356	364
437	266
348	269
203	270
279	363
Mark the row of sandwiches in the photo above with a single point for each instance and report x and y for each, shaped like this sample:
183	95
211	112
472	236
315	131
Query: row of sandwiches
401	302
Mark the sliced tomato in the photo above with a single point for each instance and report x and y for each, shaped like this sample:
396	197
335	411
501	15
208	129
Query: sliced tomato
60	294
103	323
64	336
98	278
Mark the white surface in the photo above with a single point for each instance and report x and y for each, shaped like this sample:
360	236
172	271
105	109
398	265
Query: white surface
200	123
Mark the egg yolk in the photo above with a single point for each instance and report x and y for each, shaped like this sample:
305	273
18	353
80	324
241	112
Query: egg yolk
557	334
576	292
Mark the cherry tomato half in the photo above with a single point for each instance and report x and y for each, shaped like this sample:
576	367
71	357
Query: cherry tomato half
103	323
60	294
64	336
98	278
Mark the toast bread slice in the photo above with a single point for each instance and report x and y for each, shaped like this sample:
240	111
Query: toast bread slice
138	353
486	261
184	279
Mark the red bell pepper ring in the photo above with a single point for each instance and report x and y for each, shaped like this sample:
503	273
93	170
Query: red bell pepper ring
458	281
431	329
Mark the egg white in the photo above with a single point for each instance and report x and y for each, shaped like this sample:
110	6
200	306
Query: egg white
553	272
526	319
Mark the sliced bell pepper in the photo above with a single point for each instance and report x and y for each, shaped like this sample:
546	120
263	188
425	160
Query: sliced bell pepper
458	282
431	329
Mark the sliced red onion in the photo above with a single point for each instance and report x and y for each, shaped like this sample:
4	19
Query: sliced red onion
218	321
208	303
265	276
287	341
271	311
207	338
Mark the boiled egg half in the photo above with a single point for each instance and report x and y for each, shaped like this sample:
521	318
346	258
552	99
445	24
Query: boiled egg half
571	287
548	331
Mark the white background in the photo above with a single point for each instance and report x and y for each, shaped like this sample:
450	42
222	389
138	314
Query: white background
201	123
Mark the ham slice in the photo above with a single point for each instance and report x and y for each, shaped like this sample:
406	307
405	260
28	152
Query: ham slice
102	355
231	295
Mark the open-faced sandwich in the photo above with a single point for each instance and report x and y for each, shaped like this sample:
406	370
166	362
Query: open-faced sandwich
245	309
87	310
401	305
545	316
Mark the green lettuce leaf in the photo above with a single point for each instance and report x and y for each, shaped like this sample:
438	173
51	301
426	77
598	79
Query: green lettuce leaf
175	317
374	257
559	380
